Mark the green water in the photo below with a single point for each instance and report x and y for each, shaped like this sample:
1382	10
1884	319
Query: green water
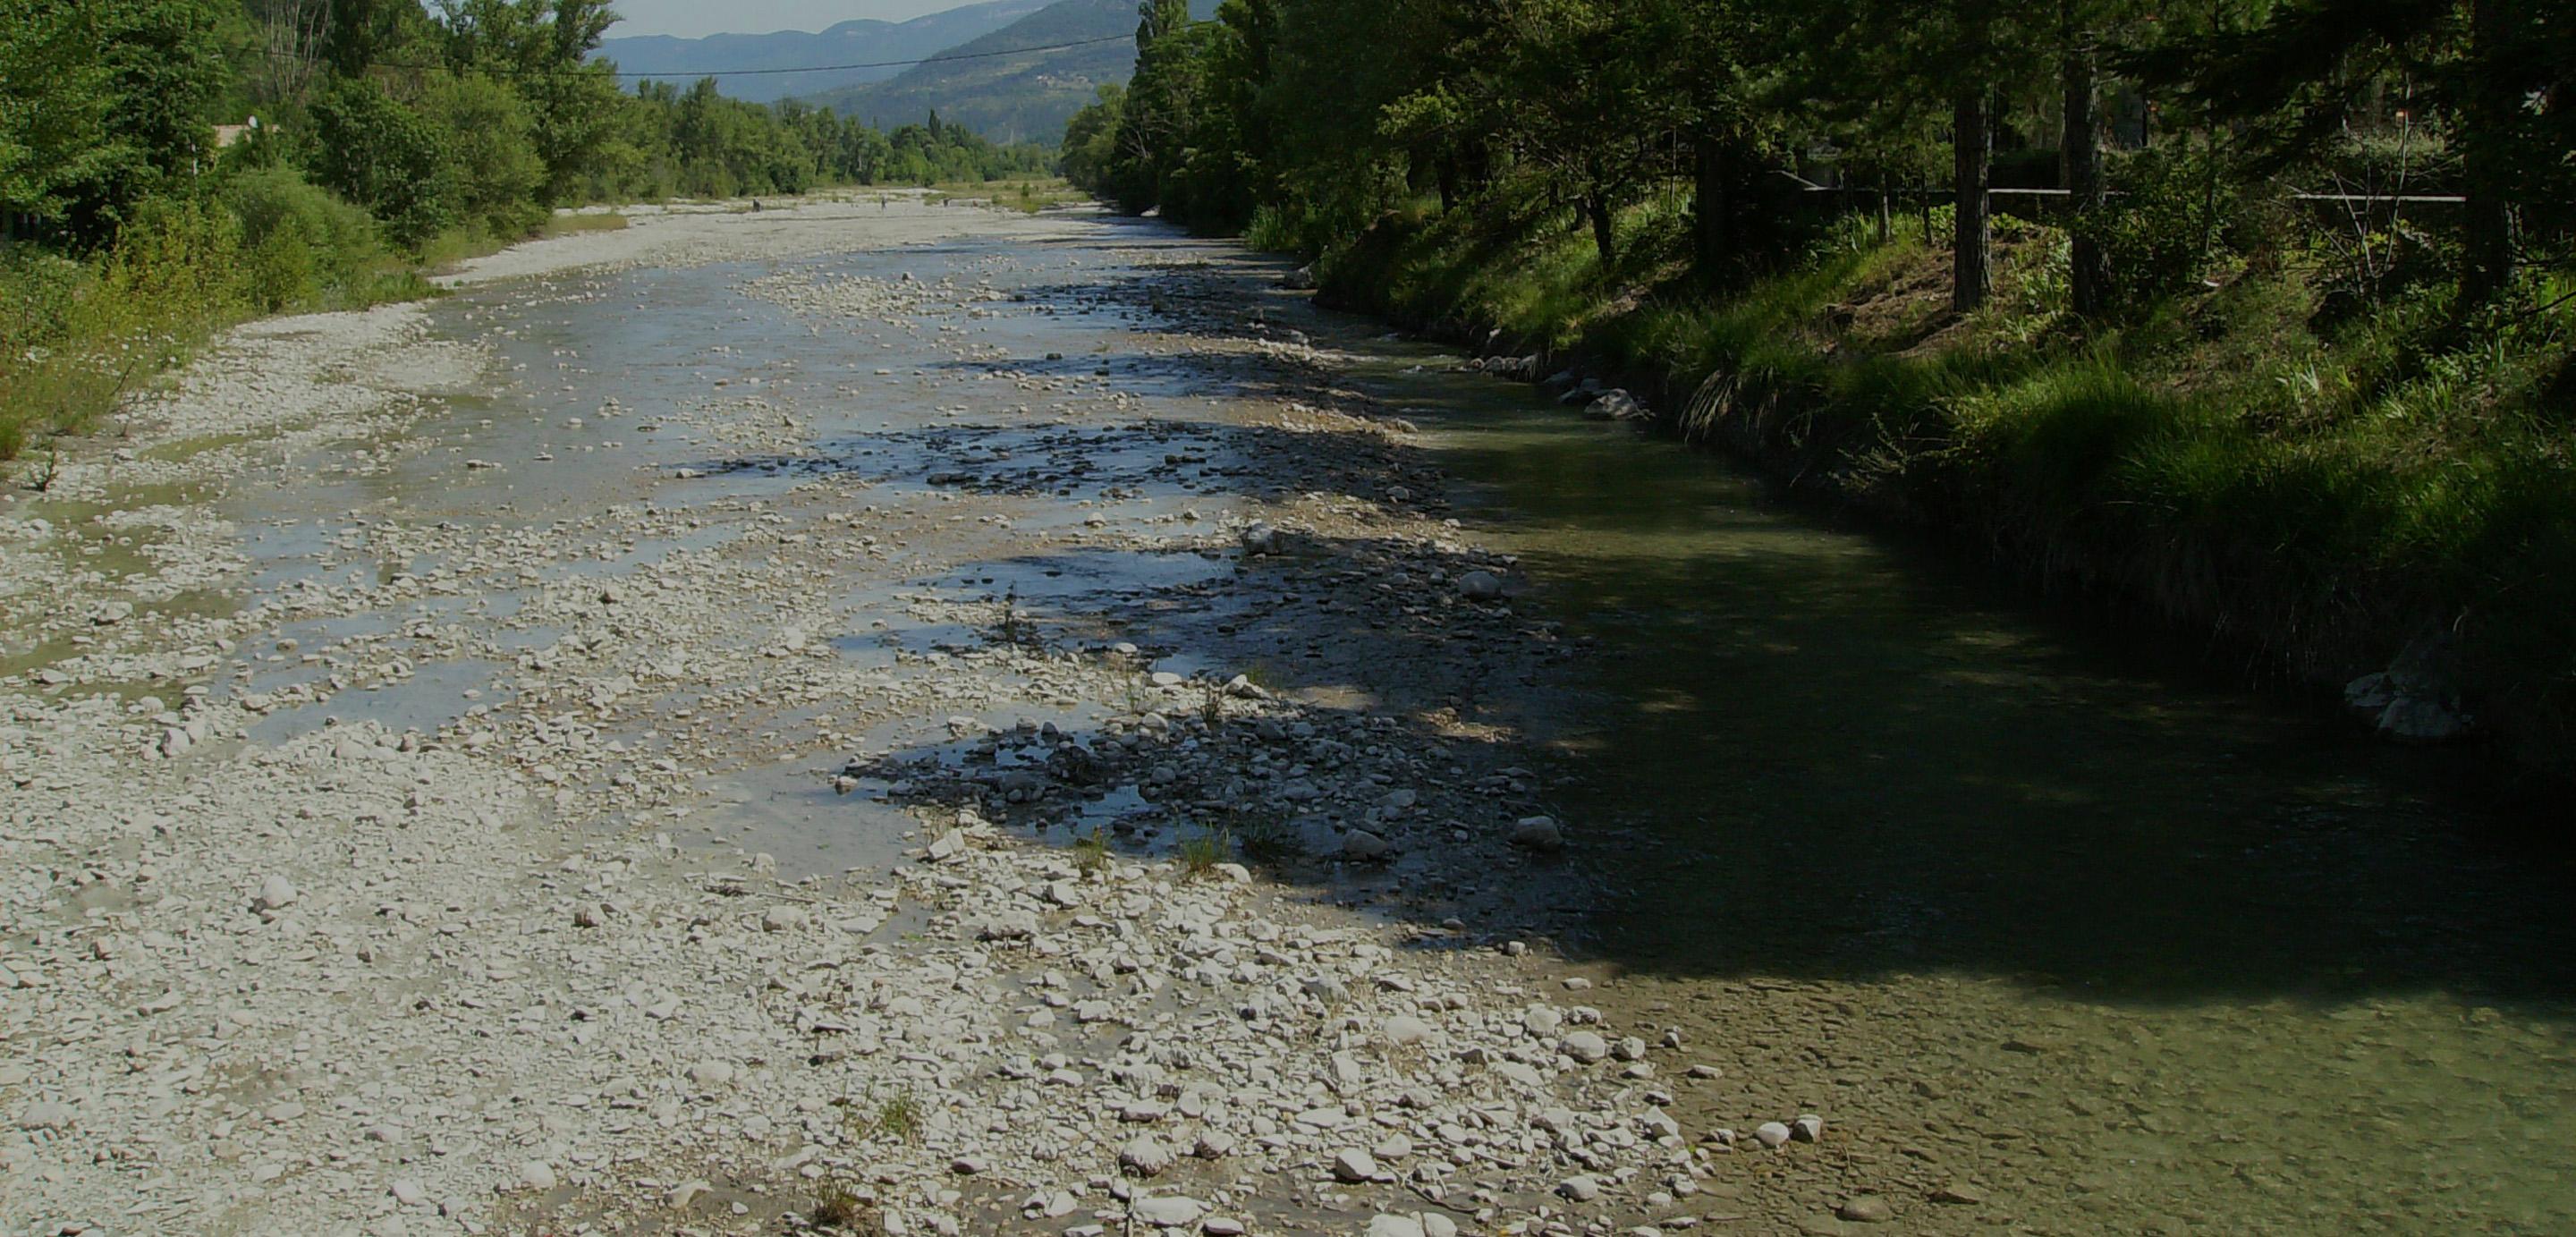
2075	915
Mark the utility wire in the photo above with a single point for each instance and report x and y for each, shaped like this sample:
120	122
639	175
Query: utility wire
503	71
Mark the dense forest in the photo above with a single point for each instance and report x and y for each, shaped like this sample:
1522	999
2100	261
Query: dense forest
2253	314
360	138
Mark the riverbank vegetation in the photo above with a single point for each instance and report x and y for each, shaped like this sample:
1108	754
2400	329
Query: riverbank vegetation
2256	314
360	140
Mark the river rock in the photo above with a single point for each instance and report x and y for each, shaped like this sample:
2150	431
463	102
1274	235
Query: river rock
1354	1166
1537	833
1362	846
1169	1211
1866	1209
1146	1156
1586	1047
1480	586
1259	539
1582	1189
1772	1133
1615	405
1402	1030
1808	1128
275	894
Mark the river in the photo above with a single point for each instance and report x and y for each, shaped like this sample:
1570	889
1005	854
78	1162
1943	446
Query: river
2066	909
762	541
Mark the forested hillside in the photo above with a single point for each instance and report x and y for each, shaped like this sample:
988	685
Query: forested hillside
1081	46
361	138
860	41
2253	314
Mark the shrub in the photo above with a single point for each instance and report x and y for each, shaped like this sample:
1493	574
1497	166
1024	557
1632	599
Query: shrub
381	155
493	175
305	246
2160	233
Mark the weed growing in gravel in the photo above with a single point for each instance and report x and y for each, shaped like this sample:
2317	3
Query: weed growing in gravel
1265	838
1212	704
1091	853
896	1116
1015	628
837	1209
1200	855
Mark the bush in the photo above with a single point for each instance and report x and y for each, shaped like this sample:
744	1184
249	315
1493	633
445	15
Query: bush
382	156
305	246
493	176
2160	234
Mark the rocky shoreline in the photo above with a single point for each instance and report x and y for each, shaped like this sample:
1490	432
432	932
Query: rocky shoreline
1222	908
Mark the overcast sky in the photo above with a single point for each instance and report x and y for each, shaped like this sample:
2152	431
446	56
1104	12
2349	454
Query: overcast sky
691	18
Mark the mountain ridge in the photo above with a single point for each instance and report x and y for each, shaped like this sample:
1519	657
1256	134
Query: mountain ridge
662	57
1011	98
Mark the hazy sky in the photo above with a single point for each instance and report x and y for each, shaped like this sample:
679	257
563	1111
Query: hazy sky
691	18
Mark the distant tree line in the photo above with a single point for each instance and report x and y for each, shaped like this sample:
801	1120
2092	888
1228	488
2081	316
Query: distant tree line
387	135
481	115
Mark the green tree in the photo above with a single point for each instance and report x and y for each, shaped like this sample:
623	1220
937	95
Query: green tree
55	95
372	150
492	173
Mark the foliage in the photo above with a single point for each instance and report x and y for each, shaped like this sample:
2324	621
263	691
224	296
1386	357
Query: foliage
492	174
374	151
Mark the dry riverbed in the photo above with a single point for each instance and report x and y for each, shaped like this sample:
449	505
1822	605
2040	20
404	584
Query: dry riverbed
456	776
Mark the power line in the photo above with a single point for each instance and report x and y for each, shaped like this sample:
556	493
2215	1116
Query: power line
502	71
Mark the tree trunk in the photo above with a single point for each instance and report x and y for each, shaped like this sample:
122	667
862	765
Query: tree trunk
2081	141
1884	221
1596	207
2485	163
1708	205
1972	141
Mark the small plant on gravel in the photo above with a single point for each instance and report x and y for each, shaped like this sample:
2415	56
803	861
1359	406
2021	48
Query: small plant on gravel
1139	701
1200	855
838	1209
50	470
1015	628
1091	853
896	1116
1212	704
1265	838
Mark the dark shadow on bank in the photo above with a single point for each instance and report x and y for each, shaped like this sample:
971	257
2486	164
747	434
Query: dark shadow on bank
1796	752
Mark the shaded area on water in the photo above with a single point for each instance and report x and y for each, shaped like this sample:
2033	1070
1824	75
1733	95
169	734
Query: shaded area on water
2025	898
1867	759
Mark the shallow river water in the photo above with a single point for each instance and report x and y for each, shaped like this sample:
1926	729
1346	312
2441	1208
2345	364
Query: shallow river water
2058	918
2061	911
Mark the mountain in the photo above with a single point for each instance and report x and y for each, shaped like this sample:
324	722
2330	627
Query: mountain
851	42
1011	98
